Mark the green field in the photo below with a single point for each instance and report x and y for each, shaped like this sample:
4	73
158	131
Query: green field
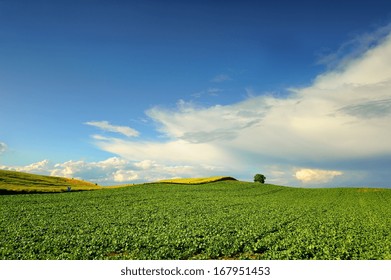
220	220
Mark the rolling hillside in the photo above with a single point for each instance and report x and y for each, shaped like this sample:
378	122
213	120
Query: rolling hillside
220	220
20	182
196	181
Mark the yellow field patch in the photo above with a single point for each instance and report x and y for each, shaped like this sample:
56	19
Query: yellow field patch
19	182
370	190
197	180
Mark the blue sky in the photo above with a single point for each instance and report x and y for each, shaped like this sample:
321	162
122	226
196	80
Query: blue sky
133	91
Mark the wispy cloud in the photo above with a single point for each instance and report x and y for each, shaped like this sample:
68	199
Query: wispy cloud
342	118
354	47
212	91
200	125
3	147
106	126
221	78
369	109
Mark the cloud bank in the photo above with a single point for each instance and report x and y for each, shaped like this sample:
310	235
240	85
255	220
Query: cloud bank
36	167
341	122
113	171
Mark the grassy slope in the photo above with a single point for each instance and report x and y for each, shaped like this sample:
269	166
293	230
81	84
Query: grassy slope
20	182
12	182
221	220
195	181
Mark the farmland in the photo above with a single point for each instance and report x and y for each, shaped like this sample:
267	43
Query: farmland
20	182
219	220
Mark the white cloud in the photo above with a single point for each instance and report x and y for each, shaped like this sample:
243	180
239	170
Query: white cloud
202	125
344	116
69	169
105	171
171	152
145	164
36	167
113	170
106	126
125	176
316	175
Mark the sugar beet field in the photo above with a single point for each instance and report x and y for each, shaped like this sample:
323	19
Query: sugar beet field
221	220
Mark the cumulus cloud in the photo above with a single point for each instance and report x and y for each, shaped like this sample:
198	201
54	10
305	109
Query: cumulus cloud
145	164
343	118
106	126
36	167
316	175
114	170
125	176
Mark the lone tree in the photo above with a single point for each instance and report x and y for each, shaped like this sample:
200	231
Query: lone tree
259	178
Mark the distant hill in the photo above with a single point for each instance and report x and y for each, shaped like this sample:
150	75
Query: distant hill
20	182
193	181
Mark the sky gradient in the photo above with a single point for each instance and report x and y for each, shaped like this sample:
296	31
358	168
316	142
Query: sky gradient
121	92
